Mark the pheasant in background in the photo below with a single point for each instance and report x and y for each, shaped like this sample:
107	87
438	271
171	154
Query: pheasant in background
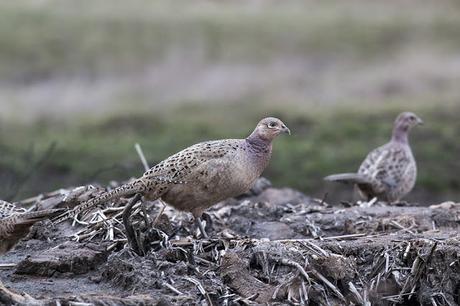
201	175
15	223
388	172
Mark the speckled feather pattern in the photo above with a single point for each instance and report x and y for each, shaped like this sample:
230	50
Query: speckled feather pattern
7	209
391	170
15	224
200	175
210	172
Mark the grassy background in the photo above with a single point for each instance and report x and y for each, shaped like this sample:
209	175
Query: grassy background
96	77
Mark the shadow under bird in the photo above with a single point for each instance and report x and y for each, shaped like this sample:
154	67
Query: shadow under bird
15	225
389	172
201	175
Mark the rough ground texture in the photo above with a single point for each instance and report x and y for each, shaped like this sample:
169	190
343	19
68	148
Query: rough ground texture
269	246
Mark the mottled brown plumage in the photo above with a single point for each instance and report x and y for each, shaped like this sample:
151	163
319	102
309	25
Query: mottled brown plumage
203	174
389	172
15	224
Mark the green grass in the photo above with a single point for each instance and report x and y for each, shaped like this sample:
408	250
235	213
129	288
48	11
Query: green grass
102	150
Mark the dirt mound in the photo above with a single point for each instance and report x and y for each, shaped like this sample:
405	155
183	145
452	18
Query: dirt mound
269	246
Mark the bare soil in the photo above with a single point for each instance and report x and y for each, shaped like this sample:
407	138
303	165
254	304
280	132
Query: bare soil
271	245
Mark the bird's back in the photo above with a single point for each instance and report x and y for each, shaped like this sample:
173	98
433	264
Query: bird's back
392	171
210	172
178	168
16	224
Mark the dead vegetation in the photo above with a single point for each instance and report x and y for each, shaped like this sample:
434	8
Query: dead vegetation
269	246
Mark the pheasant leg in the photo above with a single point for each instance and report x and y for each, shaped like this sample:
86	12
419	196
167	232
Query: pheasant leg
201	227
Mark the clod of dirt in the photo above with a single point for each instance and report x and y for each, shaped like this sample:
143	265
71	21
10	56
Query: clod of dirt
234	272
282	196
336	267
68	258
129	271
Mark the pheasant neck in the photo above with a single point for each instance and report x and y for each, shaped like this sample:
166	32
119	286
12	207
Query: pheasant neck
259	144
400	134
260	151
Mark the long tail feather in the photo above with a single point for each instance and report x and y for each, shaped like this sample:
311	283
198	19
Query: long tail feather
349	178
118	192
35	216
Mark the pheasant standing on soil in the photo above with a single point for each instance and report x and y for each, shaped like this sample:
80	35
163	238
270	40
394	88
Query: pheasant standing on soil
201	175
388	172
15	225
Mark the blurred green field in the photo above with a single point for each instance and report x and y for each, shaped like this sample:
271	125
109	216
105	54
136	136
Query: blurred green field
96	77
102	150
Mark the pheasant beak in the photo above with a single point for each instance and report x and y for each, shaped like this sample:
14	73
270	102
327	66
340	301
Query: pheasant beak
285	129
